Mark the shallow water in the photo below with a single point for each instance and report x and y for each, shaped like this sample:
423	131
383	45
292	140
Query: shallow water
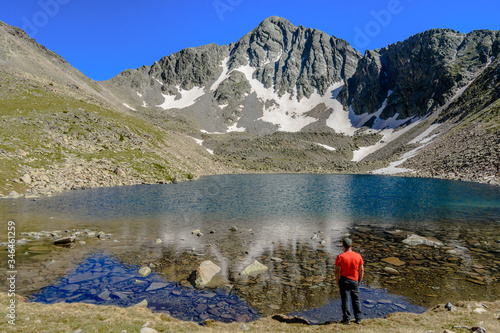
298	219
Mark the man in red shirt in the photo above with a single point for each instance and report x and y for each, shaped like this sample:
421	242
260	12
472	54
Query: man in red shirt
349	274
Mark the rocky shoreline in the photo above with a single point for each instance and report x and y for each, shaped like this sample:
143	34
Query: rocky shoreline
429	266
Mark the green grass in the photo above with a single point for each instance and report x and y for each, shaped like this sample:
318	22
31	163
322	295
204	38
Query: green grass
51	127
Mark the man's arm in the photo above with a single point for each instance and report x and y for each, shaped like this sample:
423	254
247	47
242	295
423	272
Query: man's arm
361	270
337	274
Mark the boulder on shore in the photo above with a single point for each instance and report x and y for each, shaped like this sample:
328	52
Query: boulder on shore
206	274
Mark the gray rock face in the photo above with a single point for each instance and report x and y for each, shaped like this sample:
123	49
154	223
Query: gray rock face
423	72
289	57
283	58
188	68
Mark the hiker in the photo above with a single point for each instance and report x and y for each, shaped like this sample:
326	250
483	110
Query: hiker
349	274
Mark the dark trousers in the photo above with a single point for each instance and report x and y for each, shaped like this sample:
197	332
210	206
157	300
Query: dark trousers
349	287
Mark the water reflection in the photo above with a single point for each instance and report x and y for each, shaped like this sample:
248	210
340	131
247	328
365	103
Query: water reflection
102	280
290	223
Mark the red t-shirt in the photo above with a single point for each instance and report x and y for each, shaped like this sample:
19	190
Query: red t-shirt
349	263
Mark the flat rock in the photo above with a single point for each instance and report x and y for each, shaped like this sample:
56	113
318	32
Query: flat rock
156	285
394	261
414	240
254	269
290	320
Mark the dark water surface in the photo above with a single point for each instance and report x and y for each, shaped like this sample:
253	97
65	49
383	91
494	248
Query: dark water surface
290	223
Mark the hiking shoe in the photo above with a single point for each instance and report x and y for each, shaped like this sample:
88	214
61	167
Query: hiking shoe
358	321
345	322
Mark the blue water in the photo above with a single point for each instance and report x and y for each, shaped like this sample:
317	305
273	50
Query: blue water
253	198
103	280
273	211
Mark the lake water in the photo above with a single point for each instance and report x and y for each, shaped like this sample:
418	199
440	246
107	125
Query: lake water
290	223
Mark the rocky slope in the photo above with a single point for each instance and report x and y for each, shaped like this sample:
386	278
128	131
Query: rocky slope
60	130
469	149
419	75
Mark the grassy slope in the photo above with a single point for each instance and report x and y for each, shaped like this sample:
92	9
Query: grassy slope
52	128
62	317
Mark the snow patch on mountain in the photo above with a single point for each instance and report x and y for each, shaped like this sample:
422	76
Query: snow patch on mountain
200	142
235	128
423	139
290	114
388	135
326	147
225	74
187	98
129	107
379	124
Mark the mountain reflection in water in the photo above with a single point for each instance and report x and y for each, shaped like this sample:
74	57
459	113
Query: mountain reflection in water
291	223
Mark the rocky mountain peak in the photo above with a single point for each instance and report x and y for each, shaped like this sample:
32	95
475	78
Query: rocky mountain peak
414	77
294	60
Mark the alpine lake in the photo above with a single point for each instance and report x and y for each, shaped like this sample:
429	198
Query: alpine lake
424	242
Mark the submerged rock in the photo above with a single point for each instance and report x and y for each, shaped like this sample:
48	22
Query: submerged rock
394	261
391	271
65	240
144	271
254	269
414	240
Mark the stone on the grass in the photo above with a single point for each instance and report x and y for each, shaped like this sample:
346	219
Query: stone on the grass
142	304
26	179
148	330
450	307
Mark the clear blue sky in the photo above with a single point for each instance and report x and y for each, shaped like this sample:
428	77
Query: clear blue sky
104	37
